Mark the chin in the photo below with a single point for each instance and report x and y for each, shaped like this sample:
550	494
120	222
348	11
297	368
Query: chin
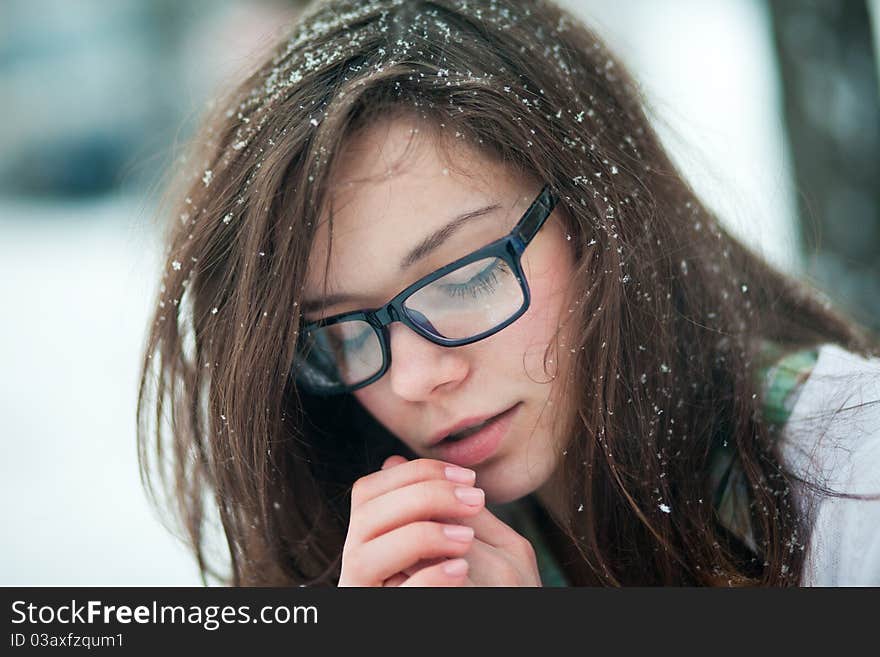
505	497
501	488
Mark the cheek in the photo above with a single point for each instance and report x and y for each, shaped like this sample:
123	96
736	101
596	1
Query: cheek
372	400
386	408
538	328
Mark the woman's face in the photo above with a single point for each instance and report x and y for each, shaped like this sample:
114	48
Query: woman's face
393	189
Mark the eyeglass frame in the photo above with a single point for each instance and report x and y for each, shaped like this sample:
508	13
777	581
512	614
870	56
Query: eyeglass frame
508	248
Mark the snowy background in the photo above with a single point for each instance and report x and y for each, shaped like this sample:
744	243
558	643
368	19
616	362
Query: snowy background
90	116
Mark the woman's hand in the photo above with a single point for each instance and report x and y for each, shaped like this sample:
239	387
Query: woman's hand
498	556
394	525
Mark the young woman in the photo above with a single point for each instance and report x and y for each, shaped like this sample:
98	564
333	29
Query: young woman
440	311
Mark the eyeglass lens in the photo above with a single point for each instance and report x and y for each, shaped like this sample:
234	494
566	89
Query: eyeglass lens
464	303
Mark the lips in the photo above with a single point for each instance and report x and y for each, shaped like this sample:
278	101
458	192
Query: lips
465	427
480	443
467	432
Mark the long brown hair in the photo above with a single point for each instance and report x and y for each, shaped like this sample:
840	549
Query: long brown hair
668	307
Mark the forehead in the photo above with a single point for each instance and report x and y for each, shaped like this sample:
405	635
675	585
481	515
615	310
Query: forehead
394	183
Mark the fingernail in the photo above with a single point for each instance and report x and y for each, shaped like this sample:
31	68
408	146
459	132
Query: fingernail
459	532
455	567
460	475
471	496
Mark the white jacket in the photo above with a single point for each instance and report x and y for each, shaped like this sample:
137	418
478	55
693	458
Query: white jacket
841	451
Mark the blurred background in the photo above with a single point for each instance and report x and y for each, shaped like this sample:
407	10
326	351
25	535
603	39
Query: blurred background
769	106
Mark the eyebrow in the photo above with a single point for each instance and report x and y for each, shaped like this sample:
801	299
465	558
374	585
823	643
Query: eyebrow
422	250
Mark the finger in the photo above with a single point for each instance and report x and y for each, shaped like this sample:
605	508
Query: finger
488	566
440	575
423	500
479	555
391	553
491	530
396	580
391	461
424	563
500	565
380	482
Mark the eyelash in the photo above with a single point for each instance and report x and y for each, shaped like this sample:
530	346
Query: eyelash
484	281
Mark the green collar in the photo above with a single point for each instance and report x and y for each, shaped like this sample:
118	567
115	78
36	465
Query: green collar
781	378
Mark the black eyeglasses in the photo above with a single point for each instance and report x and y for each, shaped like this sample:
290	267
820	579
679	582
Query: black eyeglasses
467	300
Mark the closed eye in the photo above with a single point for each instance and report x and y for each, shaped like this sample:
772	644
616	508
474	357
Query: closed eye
482	283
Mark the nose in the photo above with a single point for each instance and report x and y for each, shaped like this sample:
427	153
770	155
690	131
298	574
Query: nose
420	368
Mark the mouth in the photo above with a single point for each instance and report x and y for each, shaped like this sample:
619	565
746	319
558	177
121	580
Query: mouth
461	435
465	428
477	442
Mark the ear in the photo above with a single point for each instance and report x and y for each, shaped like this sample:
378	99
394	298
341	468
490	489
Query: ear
391	461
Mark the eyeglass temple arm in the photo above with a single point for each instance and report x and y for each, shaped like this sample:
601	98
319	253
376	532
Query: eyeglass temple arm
535	216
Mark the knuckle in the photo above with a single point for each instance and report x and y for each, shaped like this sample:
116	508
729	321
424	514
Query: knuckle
523	548
527	549
359	491
429	468
426	534
427	494
431	497
531	557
